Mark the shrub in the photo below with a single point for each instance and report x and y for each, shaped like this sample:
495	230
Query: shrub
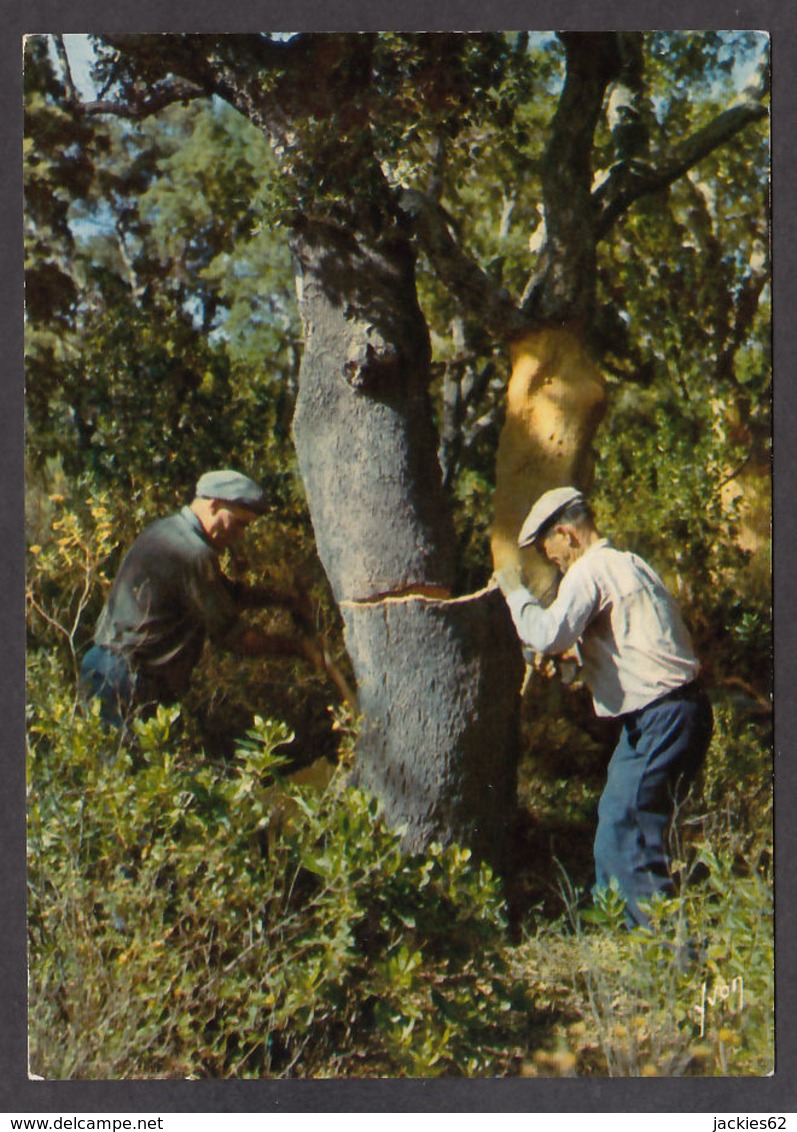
178	930
690	995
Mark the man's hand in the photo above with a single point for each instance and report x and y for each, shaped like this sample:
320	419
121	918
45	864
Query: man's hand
508	579
565	665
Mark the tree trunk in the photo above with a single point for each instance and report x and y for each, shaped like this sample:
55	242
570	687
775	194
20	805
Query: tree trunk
438	686
437	678
363	423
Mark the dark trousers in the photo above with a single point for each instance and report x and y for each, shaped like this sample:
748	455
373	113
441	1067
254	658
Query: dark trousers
107	676
661	749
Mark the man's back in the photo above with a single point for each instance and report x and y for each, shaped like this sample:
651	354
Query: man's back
168	594
636	646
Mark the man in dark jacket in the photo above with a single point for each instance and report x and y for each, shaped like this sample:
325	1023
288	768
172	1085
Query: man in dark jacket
170	596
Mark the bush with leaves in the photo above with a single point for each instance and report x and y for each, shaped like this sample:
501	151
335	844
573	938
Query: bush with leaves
690	995
193	919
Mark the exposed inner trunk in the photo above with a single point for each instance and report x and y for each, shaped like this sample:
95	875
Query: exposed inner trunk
555	401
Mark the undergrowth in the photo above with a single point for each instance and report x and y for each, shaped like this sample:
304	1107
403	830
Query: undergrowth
194	919
195	911
199	918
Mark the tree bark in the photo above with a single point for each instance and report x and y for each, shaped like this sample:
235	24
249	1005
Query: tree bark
438	686
437	678
363	424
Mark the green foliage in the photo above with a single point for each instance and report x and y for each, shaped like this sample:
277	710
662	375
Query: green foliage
690	995
663	467
662	464
609	909
58	164
197	919
173	296
736	790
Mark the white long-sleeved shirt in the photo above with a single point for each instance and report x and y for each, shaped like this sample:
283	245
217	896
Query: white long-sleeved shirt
634	644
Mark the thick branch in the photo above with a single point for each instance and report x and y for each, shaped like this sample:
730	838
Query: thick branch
69	82
564	283
155	100
593	61
467	281
628	183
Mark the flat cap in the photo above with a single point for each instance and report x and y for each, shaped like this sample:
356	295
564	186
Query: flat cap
232	487
544	512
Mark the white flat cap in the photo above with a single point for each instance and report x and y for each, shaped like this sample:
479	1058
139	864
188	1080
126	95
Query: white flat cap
545	510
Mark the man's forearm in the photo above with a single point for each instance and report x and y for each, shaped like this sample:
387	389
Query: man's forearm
541	630
260	597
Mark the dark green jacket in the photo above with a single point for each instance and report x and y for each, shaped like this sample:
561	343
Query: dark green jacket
168	597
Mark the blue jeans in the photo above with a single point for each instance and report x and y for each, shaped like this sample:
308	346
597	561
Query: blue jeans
661	749
107	676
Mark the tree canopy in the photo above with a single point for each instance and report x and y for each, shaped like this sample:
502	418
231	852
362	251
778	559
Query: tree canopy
181	215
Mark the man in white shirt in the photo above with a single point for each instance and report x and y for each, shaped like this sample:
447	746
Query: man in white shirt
640	666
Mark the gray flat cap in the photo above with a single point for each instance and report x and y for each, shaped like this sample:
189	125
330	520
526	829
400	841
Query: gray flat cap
232	487
545	510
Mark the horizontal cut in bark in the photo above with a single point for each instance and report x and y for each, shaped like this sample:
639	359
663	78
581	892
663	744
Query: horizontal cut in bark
438	685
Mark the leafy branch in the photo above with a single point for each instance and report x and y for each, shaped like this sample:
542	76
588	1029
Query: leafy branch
628	183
